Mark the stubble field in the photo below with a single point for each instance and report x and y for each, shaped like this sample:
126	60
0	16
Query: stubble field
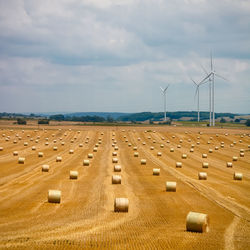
156	219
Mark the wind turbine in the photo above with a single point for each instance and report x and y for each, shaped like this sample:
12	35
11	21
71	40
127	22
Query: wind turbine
197	92
210	77
164	91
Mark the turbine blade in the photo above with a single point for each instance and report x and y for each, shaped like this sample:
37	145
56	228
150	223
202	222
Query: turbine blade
196	91
162	89
221	77
204	79
193	81
204	69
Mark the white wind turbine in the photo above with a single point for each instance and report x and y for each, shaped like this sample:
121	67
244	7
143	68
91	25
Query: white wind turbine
164	91
197	92
210	77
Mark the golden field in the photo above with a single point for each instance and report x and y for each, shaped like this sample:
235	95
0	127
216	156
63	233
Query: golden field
156	219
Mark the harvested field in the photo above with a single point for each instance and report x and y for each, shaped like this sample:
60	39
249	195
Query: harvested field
156	219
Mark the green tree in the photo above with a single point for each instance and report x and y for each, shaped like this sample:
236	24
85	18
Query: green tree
21	121
222	120
248	122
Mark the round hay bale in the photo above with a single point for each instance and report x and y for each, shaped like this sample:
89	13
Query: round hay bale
117	168
216	148
15	153
240	141
33	148
95	149
71	141
62	143
86	142
180	140
58	159
116	179
54	141
189	140
208	142
242	154
162	146
97	145
202	175
204	155
55	148
71	151
126	140
129	144
238	176
139	139
171	186
191	150
134	148
210	150
205	164
36	141
21	160
159	154
198	137
143	161
90	156
197	222
136	154
173	136
235	158
46	143
47	139
45	168
54	196
178	146
156	171
149	137
25	144
171	149
222	145
15	142
40	154
184	156
80	145
152	148
168	141
231	145
85	162
121	205
73	174
229	164
115	160
154	141
144	143
198	143
242	150
114	154
116	148
178	164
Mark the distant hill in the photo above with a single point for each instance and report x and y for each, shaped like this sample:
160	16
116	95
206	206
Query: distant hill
105	115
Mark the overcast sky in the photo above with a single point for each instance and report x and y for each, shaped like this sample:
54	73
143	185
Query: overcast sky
113	55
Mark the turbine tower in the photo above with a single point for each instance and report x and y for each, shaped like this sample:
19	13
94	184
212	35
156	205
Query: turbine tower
197	92
210	77
164	91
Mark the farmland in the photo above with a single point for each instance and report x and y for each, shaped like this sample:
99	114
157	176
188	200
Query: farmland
156	219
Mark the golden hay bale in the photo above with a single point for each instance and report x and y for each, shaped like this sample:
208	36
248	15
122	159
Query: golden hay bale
21	160
86	142
144	143
198	143
54	196
54	141
156	171
216	148
97	145
46	144
116	179
210	150
40	154
162	146
47	139
178	146
238	176
178	164
116	148
62	143
78	132
90	156
163	138
136	154
121	205
25	144
242	150
168	141
204	155
171	149
222	145
115	160
159	154
189	140
15	153
7	139
154	141
129	144
71	141
197	222
173	136
73	174
151	148
229	164
242	154
198	137
208	142
117	168
71	151
134	148
171	186
149	137
36	141
184	156
235	158
58	159
15	142
143	161
95	149
205	164
85	162
231	145
126	140
180	140
139	139
202	175
33	148
55	148
192	145
45	168
191	150
114	153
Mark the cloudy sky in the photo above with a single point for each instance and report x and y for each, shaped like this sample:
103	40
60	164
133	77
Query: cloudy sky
113	55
